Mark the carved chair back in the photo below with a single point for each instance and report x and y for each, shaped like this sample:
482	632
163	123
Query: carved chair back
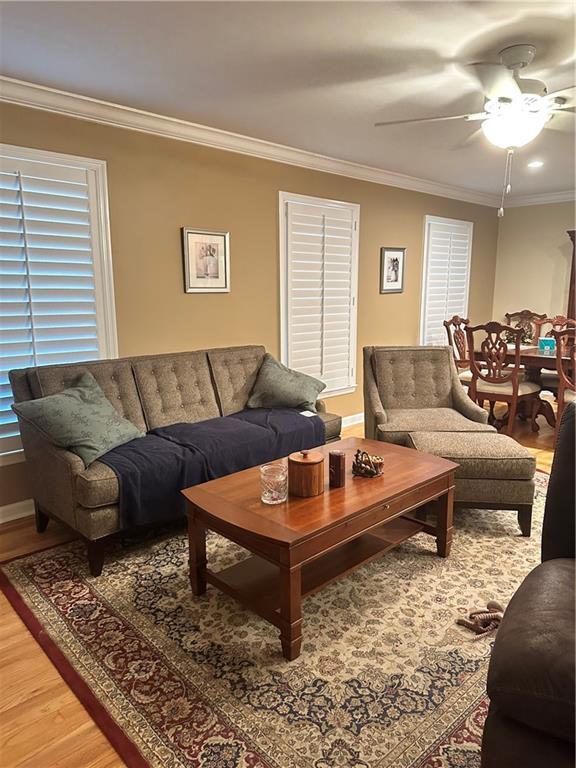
489	351
456	331
525	319
565	365
558	323
565	358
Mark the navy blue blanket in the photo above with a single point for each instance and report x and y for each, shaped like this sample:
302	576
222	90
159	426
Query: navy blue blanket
153	469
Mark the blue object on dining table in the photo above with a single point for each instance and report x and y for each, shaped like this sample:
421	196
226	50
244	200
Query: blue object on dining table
547	345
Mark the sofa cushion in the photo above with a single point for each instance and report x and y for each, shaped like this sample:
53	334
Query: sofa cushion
332	425
234	370
531	676
277	386
97	486
286	427
175	388
115	378
413	377
429	420
489	456
80	419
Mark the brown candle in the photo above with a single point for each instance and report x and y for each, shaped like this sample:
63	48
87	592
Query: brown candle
337	469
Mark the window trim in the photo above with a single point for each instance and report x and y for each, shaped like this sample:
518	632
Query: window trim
101	246
292	197
423	293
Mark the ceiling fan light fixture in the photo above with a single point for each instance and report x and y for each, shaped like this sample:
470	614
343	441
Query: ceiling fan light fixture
514	128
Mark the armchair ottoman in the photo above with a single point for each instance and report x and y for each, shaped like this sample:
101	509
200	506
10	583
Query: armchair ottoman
495	472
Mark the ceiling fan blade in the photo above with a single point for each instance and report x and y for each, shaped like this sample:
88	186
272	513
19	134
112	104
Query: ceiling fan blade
563	109
470	140
561	94
431	119
496	80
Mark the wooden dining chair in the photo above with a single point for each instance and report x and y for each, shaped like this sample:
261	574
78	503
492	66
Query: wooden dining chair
525	319
455	330
496	380
550	379
558	323
565	367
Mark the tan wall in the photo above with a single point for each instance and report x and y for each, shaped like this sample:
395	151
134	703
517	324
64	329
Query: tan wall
534	257
158	185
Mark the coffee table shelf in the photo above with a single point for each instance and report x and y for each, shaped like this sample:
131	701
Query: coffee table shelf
256	582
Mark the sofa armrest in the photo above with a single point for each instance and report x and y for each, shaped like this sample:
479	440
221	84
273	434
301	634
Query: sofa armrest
51	472
374	413
462	403
320	406
560	510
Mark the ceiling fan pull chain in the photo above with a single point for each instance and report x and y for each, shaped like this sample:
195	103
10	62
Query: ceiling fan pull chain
509	158
507	186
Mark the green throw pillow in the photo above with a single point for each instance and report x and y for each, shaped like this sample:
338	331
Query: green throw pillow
277	386
81	419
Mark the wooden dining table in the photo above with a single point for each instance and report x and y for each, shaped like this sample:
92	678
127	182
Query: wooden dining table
534	361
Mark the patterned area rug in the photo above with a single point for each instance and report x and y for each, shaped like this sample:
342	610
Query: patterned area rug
386	678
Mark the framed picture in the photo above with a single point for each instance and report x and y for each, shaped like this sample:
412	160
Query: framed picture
392	270
206	261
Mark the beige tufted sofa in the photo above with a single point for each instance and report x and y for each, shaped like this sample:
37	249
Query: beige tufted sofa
413	397
151	392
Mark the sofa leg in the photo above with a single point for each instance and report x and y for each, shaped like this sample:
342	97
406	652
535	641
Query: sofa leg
42	518
96	552
525	519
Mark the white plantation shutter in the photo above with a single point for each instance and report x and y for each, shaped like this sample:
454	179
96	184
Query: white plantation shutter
448	249
319	286
52	286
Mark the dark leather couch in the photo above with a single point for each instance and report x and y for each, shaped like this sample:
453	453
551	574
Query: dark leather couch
531	678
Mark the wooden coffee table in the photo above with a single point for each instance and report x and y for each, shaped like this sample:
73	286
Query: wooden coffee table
304	544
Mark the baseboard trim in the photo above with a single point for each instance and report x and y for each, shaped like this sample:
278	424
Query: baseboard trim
355	418
16	511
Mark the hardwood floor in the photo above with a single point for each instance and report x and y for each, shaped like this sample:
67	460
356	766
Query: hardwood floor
42	723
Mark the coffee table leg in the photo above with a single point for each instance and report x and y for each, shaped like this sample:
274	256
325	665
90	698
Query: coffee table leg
444	523
290	612
197	555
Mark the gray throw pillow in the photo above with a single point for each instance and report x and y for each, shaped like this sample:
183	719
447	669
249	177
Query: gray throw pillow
277	386
80	418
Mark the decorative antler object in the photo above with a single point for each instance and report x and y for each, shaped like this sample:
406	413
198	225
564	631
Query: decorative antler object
483	622
365	465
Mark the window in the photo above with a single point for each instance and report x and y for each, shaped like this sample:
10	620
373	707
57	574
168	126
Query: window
57	303
447	251
318	287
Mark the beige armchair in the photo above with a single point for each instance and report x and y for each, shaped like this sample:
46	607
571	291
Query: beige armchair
416	389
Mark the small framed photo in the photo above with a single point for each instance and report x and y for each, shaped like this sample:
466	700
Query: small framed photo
206	261
392	270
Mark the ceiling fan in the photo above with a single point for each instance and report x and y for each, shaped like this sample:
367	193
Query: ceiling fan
516	108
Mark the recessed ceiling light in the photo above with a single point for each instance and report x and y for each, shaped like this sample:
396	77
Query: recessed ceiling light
535	164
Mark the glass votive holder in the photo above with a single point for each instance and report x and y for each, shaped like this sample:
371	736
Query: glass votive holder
274	483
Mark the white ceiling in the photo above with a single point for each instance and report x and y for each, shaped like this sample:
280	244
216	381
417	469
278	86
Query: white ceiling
312	75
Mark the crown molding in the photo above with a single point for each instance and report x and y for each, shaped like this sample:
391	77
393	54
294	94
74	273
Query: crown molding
48	99
42	97
569	196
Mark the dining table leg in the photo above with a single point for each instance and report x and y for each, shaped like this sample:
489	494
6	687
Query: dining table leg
544	408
